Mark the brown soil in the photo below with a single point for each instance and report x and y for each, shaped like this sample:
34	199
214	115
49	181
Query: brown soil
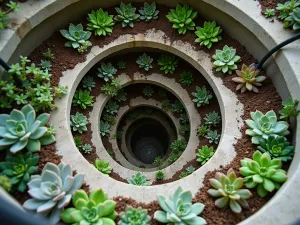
267	99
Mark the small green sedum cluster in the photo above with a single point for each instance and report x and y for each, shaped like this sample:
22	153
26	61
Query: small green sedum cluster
204	154
138	179
102	166
208	34
79	122
167	63
100	22
134	216
83	99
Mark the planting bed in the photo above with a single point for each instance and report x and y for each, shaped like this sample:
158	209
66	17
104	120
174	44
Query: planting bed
152	127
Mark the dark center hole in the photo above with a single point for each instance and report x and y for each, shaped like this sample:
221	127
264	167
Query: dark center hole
148	139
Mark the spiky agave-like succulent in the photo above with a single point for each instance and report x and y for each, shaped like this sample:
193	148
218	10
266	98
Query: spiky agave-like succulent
179	209
83	99
182	18
145	62
79	122
106	71
138	179
19	167
277	147
167	63
22	129
209	34
149	12
93	209
134	216
78	38
264	125
204	154
126	15
225	59
104	128
227	188
102	166
263	173
248	79
212	119
100	22
52	190
202	96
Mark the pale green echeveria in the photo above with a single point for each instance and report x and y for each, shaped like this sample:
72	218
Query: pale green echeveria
262	126
225	60
22	129
263	173
179	210
52	190
138	179
134	216
95	209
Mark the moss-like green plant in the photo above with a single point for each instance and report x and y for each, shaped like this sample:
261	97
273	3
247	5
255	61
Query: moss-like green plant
183	174
182	18
177	107
202	130
159	175
5	183
86	148
213	137
174	155
134	216
79	122
227	188
184	119
94	209
145	62
225	60
208	34
83	99
269	13
184	130
78	38
186	78
167	63
121	64
248	79
277	147
165	105
88	83
287	8
149	12
263	172
106	71
148	91
19	167
204	154
111	119
289	109
178	145
104	128
263	126
202	96
52	190
12	7
102	166
158	161
138	179
100	22
179	209
22	129
126	15
212	119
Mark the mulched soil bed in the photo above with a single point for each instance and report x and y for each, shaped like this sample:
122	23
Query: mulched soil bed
267	99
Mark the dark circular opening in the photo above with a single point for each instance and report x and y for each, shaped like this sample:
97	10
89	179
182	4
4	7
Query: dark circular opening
148	140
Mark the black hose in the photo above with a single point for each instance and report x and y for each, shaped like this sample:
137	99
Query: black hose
4	65
275	49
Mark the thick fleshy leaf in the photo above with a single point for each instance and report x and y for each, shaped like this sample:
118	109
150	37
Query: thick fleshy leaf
32	204
261	191
17	115
64	201
66	215
41	131
221	202
214	193
46	207
160	216
98	196
234	206
18	146
37	194
244	193
78	181
197	208
33	145
268	185
44	118
279	177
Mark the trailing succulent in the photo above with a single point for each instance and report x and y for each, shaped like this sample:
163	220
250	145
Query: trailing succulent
22	129
202	96
289	109
12	7
179	209
212	119
78	38
178	145
83	99
182	18
213	137
18	168
102	166
138	179
227	188
5	183
149	12
262	126
79	122
145	62
88	83
148	91
186	78
104	128
167	63
225	60
52	190
93	209
263	173
248	79
204	154
134	216
100	22
106	71
277	147
126	15
208	34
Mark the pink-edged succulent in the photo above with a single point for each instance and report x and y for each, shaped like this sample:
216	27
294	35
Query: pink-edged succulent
248	79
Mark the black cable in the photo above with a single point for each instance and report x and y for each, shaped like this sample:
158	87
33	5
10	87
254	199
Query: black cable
4	64
275	49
